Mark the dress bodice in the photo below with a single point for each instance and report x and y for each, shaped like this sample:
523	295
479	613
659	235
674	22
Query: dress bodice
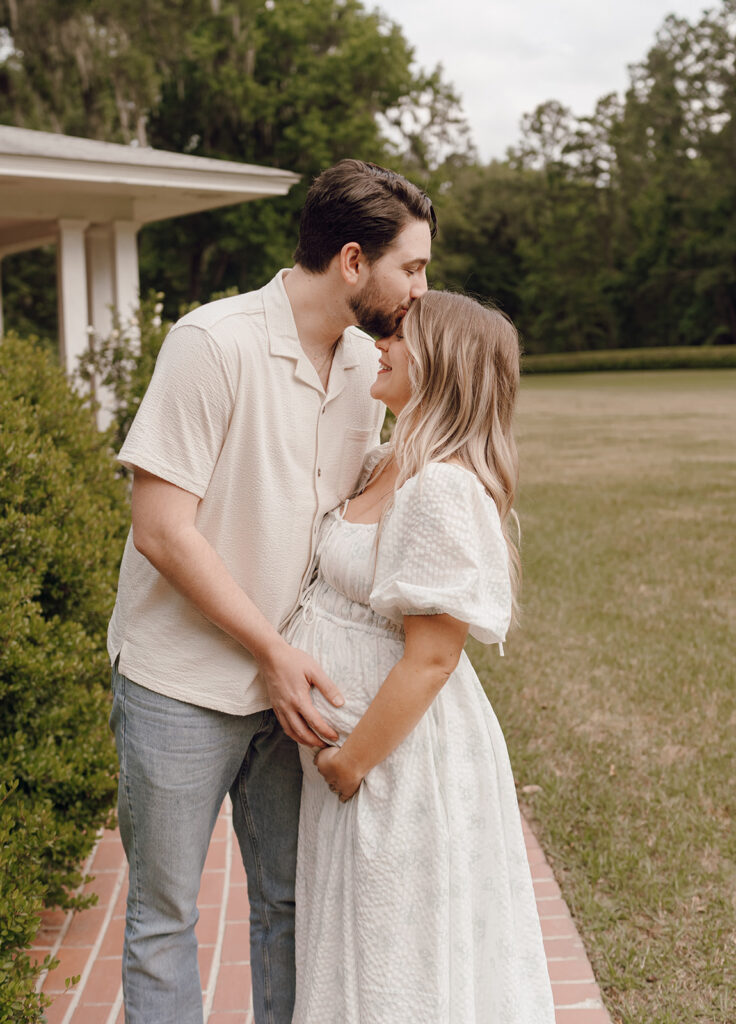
347	556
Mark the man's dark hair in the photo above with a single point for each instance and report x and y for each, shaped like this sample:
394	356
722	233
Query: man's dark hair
358	202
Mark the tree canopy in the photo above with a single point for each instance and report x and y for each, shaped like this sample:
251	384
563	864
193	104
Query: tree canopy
611	230
616	229
297	84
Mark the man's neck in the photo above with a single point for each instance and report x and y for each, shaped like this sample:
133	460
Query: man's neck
320	311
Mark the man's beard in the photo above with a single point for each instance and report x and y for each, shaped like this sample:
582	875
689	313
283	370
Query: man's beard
368	314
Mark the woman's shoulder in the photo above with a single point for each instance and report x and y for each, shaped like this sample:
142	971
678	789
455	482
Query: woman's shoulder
449	476
371	460
445	493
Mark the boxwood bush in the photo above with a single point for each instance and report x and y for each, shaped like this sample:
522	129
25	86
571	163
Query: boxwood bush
704	357
63	519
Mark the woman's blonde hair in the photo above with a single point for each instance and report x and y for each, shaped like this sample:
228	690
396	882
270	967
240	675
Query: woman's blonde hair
464	374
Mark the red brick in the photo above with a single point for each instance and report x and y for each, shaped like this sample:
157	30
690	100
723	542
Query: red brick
102	885
233	988
90	1014
582	1015
552	908
222	827
570	970
57	1011
558	927
71	961
570	945
216	855
103	983
540	868
238	908
52	920
112	944
109	855
208	925
211	889
85	927
569	993
205	956
121	901
535	854
237	871
236	943
544	887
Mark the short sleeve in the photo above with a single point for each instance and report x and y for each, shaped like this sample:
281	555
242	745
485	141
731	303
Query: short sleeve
370	462
441	551
182	422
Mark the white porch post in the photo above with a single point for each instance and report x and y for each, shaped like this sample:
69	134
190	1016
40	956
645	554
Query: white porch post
126	277
72	289
100	283
101	291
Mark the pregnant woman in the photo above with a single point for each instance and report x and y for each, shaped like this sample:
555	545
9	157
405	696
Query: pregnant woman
414	897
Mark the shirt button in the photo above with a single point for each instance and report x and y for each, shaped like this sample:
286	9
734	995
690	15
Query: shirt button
319	472
323	410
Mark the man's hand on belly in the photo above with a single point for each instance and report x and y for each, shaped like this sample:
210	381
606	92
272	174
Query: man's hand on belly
289	675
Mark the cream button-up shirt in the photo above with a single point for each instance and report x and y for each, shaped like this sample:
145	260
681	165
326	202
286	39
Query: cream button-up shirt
236	414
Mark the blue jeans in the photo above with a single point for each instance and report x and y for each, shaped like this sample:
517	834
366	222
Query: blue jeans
177	763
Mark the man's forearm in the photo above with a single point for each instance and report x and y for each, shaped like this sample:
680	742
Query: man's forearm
191	565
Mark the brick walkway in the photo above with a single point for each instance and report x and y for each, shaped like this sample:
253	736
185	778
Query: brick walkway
89	943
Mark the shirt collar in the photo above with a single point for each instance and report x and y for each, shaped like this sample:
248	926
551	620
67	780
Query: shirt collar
283	340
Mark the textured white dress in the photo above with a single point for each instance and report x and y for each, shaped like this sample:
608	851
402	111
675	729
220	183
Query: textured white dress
414	899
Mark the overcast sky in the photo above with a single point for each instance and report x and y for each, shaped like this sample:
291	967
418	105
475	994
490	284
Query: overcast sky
505	57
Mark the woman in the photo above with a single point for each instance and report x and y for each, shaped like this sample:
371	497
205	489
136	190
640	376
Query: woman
414	899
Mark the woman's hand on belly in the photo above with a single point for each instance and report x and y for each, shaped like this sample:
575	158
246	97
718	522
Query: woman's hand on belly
339	772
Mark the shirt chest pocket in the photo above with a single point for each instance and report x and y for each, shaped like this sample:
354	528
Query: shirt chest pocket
355	446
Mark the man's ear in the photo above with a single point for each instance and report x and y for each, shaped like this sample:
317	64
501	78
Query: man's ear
352	263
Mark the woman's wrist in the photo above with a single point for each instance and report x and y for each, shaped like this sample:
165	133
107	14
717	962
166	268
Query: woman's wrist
351	764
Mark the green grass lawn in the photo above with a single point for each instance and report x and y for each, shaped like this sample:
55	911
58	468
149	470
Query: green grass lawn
617	694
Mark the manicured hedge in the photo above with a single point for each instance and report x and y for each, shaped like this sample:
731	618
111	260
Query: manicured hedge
63	518
706	357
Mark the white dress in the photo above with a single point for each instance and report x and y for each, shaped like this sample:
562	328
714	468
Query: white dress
414	899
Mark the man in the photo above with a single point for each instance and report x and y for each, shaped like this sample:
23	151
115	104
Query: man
254	425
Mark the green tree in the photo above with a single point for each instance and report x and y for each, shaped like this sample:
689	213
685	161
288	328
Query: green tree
292	83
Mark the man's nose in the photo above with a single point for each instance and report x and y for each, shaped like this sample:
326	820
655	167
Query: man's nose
419	287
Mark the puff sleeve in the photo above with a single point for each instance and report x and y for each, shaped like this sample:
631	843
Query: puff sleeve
441	551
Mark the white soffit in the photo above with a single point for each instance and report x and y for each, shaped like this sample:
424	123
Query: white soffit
45	176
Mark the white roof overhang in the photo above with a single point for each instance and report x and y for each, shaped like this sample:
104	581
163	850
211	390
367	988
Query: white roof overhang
46	177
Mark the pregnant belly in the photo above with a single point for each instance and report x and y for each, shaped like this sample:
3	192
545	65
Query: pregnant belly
357	661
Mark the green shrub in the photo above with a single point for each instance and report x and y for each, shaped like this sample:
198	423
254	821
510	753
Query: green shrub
124	363
705	357
63	519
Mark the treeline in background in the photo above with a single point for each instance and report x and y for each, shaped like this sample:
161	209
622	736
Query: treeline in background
612	230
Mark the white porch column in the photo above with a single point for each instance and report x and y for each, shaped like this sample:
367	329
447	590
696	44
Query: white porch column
72	289
101	292
125	263
100	279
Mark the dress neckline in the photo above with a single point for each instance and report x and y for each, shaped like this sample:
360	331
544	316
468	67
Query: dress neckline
340	514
